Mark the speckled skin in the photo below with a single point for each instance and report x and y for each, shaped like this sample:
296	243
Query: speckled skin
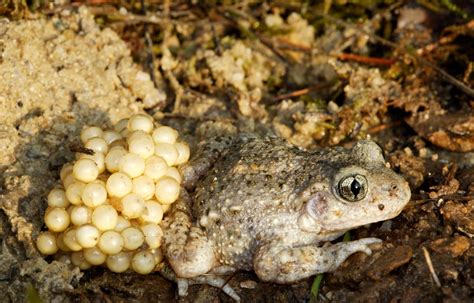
264	205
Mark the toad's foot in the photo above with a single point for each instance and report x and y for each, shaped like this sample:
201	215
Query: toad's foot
286	265
212	280
341	251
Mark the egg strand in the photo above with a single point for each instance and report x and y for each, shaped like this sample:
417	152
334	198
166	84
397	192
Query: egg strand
110	204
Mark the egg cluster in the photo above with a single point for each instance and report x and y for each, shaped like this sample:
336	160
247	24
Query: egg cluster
112	200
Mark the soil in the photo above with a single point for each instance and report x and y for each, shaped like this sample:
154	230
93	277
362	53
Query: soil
264	69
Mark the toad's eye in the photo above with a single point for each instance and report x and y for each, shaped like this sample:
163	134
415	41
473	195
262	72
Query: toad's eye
353	188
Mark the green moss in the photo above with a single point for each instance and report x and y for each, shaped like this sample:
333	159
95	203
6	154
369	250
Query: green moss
313	103
440	6
32	295
358	104
453	8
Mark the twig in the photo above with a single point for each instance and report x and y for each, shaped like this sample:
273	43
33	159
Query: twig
414	203
455	30
365	60
295	93
216	40
382	127
290	45
178	90
468	71
459	84
430	266
301	92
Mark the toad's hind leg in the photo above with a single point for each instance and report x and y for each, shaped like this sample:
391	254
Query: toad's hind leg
186	247
190	254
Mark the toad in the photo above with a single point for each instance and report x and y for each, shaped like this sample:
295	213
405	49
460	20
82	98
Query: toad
262	204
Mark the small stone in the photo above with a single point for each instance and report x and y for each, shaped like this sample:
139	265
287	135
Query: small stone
248	284
455	247
390	260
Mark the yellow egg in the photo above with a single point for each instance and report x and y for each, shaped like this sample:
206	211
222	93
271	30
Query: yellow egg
70	240
140	122
167	190
56	219
121	125
113	158
174	173
110	242
118	185
110	136
183	152
144	187
142	146
98	158
85	170
74	192
105	217
153	235
87	235
143	262
165	134
133	238
153	212
46	243
122	223
155	167
119	262
80	215
131	164
77	259
57	198
89	132
168	152
94	256
97	144
132	206
66	170
94	194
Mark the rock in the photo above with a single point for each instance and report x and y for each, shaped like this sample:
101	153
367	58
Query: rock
456	246
390	260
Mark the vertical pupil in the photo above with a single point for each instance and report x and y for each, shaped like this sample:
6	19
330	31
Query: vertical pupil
355	187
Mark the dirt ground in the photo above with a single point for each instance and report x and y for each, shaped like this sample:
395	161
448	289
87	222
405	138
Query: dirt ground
397	72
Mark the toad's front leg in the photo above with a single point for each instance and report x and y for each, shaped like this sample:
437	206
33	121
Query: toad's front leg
275	263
